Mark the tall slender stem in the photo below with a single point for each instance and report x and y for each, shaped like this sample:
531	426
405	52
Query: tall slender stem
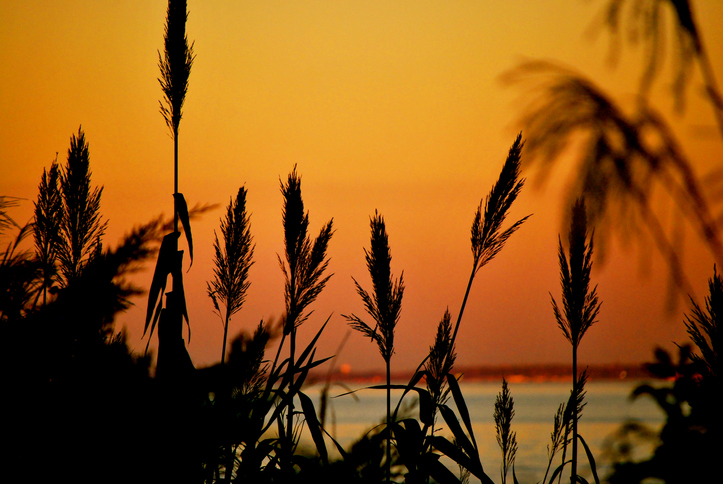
389	420
573	471
225	335
290	414
464	303
175	177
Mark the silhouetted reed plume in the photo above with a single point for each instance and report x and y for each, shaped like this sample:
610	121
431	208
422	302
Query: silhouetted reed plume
384	306
506	438
175	64
306	263
232	262
580	302
81	223
646	24
440	361
626	157
48	220
488	238
704	328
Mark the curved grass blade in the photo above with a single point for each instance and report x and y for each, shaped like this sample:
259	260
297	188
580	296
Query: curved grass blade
164	266
451	419
441	474
461	405
312	423
458	455
312	343
558	470
425	401
339	448
178	287
590	458
410	386
182	210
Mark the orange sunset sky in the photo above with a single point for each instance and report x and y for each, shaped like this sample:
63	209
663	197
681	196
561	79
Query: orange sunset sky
389	105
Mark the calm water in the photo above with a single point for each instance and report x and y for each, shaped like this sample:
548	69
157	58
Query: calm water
608	406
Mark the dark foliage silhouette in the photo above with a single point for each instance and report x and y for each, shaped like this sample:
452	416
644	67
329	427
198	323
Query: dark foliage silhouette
690	441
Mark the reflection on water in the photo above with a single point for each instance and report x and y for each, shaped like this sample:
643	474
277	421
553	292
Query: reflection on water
608	406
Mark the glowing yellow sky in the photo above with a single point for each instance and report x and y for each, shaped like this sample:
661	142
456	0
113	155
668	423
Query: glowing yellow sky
388	105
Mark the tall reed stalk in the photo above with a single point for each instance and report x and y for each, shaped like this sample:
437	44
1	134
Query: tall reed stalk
487	235
306	263
580	302
384	307
175	66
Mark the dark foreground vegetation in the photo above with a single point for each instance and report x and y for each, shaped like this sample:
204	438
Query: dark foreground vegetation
81	406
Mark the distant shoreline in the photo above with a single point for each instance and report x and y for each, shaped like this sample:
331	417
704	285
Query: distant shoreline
512	373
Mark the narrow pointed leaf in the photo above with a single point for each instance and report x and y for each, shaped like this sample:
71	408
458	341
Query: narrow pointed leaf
164	266
178	287
441	474
461	405
182	211
425	401
312	343
339	448
451	419
314	427
590	458
558	470
418	375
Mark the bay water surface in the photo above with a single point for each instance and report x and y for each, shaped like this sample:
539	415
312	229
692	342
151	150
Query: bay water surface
608	406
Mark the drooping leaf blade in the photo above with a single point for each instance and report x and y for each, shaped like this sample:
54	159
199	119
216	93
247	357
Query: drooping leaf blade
178	288
164	266
590	458
461	405
182	210
314	427
451	419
